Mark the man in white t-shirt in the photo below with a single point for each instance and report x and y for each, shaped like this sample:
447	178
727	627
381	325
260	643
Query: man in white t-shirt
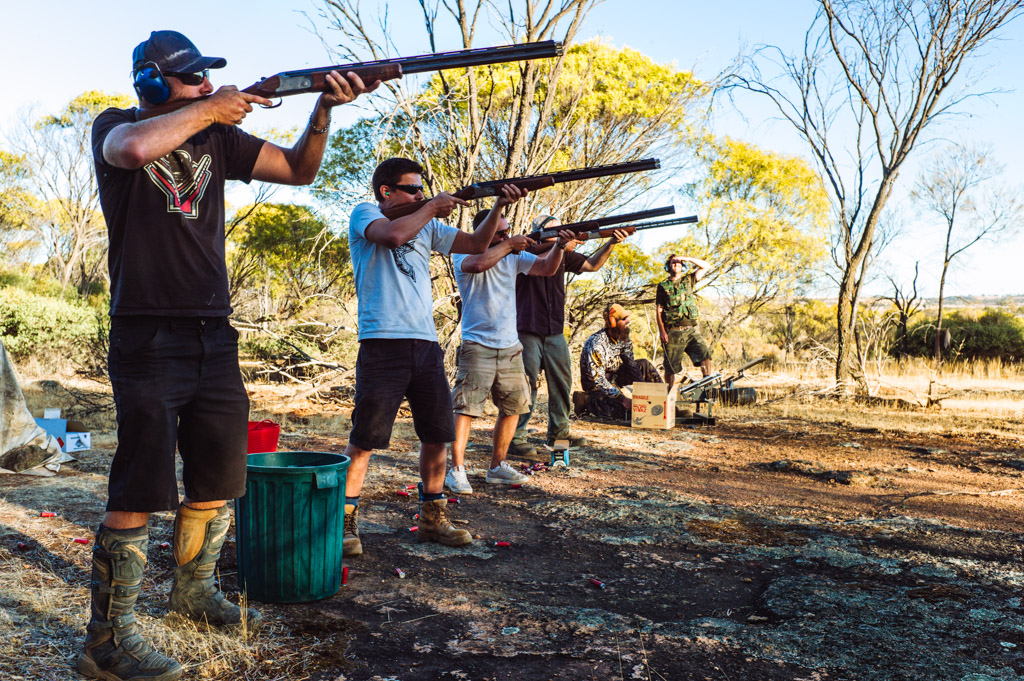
399	356
491	357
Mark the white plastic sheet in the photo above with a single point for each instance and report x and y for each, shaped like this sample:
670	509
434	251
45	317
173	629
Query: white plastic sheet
18	428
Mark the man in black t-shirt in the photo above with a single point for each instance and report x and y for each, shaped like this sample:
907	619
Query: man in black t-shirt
173	360
540	312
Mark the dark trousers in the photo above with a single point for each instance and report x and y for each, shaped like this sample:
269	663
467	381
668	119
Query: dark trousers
549	354
176	383
636	371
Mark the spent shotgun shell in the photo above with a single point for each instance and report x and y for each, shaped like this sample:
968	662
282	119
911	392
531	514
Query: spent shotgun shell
402	493
410	486
400	573
79	540
47	514
165	544
598	583
414	528
517	486
453	501
503	543
344	576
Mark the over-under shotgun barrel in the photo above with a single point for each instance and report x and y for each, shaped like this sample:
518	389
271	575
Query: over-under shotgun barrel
289	83
314	80
639	227
480	190
598	223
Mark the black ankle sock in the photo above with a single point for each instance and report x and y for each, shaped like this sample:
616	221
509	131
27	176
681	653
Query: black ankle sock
428	497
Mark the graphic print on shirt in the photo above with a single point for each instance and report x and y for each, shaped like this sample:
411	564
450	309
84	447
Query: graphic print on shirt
182	180
399	253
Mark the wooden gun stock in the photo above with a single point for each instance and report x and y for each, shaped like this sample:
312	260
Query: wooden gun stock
289	83
482	190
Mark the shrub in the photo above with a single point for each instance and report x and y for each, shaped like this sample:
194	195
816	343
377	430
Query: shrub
41	326
994	334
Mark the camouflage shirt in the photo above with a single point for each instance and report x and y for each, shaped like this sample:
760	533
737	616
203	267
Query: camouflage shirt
677	301
601	358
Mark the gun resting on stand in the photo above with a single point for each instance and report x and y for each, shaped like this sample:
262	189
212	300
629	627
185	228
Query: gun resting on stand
480	190
289	83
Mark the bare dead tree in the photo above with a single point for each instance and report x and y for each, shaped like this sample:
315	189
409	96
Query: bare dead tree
873	77
959	188
907	305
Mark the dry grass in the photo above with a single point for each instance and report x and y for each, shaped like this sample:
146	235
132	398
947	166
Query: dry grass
981	398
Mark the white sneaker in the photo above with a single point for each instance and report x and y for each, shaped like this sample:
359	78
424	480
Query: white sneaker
457	482
505	475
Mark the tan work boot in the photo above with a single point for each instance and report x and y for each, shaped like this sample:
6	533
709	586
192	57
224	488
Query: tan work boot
198	538
351	546
114	647
435	525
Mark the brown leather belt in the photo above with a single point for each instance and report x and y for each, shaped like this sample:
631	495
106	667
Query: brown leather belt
689	324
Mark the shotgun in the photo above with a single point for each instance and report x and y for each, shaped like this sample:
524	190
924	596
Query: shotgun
480	190
289	83
587	226
632	229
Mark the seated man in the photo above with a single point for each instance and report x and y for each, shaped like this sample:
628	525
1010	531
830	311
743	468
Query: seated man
607	365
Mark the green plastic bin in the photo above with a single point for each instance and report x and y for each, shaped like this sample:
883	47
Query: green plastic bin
290	526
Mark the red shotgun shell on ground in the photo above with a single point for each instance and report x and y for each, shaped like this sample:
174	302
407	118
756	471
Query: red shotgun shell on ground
598	583
79	540
344	576
47	514
503	543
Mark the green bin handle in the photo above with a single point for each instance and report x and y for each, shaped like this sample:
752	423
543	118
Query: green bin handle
326	479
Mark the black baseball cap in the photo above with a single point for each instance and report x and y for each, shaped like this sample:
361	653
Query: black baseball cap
173	53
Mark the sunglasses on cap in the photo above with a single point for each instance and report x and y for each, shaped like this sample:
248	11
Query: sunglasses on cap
191	78
409	188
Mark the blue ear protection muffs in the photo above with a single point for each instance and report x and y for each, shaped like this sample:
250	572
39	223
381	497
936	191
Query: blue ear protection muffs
668	268
147	79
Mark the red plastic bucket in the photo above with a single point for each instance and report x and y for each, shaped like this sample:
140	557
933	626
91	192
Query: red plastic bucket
263	436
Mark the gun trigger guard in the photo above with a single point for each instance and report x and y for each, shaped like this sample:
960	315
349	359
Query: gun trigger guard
280	101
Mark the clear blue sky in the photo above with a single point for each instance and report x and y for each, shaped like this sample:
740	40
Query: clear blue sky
55	50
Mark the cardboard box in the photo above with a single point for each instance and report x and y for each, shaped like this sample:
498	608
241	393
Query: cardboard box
78	442
65	431
654	406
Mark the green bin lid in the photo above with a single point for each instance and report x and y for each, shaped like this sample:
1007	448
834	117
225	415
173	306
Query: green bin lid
295	463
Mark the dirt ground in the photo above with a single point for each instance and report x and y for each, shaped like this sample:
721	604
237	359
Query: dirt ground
775	545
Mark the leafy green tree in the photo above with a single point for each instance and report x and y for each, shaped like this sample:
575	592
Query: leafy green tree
283	256
762	226
16	208
60	198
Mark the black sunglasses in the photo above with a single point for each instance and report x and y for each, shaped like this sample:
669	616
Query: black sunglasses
409	188
191	78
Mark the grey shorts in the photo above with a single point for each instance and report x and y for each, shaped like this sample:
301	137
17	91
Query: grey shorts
487	371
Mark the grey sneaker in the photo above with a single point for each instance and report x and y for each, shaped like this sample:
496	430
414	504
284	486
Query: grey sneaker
505	475
457	482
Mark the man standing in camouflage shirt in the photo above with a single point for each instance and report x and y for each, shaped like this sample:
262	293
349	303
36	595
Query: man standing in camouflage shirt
677	316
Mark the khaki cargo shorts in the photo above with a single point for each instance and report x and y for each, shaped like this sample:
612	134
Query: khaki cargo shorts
684	342
487	371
